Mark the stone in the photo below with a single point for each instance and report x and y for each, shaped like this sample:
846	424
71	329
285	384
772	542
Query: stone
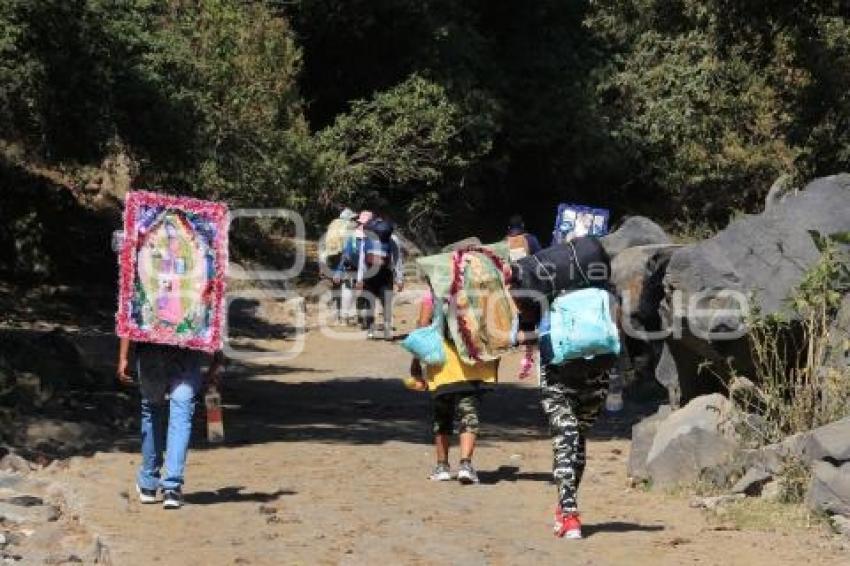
9	480
781	188
643	433
15	463
638	275
829	490
752	482
23	515
771	490
829	442
774	456
24	500
715	501
667	375
693	439
756	262
841	525
634	231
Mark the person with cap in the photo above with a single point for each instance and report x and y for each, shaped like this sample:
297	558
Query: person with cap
346	271
520	242
380	270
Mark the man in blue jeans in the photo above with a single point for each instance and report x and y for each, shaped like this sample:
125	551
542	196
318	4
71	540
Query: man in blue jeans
175	372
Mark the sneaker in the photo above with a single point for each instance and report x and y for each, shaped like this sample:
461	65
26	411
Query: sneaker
146	495
567	526
466	474
172	499
442	472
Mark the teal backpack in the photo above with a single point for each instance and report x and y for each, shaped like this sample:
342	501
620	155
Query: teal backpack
581	325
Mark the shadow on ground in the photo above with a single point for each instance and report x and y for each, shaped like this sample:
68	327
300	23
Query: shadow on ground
262	406
234	494
618	527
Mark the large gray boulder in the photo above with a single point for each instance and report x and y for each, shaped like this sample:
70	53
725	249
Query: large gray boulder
756	262
634	231
829	490
765	254
643	434
692	440
829	442
638	275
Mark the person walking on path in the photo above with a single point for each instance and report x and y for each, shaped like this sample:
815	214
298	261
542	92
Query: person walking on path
345	274
331	258
380	269
176	372
456	392
572	393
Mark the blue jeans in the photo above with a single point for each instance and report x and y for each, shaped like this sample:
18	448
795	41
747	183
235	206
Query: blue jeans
181	389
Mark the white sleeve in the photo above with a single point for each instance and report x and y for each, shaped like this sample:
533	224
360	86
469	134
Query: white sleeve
361	263
398	263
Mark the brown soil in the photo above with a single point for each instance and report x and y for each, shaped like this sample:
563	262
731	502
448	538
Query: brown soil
326	462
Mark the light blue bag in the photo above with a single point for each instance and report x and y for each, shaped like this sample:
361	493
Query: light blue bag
426	344
582	326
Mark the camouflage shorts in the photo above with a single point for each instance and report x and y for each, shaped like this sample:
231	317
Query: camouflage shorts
461	406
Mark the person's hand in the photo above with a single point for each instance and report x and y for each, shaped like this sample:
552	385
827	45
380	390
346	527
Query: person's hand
121	372
337	280
399	287
359	285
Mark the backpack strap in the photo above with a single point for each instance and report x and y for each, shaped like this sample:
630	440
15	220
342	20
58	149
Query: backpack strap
575	259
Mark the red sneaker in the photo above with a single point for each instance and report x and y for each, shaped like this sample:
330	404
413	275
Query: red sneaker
567	526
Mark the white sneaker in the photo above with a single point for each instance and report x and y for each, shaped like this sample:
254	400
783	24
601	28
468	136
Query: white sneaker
441	472
466	474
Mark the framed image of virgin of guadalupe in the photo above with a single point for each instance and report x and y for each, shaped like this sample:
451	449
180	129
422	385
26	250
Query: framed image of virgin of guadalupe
173	264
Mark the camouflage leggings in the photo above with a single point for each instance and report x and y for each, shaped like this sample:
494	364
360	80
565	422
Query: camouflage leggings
572	396
461	405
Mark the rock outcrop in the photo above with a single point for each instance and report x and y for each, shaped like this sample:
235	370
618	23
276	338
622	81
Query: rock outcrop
754	264
685	444
634	231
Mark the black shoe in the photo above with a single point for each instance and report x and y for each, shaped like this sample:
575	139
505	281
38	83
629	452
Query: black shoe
146	495
172	499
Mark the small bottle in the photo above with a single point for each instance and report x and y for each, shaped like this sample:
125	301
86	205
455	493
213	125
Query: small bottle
215	423
614	400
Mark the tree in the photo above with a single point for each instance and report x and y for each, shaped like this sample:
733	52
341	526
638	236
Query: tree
404	150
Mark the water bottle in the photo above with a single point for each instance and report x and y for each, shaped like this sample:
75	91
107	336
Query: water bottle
614	400
215	423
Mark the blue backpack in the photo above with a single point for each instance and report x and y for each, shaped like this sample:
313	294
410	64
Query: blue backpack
581	325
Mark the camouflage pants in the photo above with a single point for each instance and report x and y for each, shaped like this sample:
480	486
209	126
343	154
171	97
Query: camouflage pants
572	396
463	406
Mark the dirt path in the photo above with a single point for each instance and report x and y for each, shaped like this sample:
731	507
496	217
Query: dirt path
326	463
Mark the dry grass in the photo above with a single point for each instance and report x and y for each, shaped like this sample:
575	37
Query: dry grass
795	388
755	514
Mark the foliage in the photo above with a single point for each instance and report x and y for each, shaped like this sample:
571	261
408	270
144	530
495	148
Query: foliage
406	146
716	99
460	110
203	94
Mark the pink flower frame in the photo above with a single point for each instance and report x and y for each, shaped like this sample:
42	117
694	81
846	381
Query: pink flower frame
172	271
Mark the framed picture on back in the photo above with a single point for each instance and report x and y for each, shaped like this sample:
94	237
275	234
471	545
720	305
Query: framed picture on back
173	265
575	220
